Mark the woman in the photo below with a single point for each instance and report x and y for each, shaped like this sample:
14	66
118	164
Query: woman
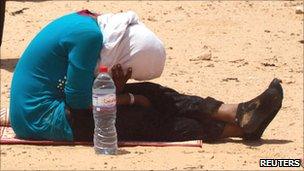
56	72
51	88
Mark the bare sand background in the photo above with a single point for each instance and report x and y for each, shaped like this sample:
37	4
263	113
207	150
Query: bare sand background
241	36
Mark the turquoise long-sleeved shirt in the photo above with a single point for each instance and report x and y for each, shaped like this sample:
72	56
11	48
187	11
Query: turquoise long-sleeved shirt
56	69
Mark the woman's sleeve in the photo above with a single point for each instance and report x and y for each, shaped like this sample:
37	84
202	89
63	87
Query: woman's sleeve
83	52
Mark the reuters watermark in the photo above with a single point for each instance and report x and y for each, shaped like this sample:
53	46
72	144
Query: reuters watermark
281	163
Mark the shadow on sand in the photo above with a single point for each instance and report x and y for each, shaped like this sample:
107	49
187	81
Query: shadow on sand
8	64
253	143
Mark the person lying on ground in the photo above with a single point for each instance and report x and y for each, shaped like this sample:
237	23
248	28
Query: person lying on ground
160	113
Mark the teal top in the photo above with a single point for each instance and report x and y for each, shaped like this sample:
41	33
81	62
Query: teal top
56	69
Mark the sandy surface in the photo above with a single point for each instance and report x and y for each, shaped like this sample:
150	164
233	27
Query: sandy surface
241	36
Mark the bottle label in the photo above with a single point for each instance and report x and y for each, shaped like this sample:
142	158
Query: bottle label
104	102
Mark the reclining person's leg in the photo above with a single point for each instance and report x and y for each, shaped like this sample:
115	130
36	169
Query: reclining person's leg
252	116
137	123
169	101
183	129
255	115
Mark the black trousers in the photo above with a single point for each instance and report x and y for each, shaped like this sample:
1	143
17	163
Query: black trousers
172	117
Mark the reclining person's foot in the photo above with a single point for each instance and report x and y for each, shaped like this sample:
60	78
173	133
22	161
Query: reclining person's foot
255	115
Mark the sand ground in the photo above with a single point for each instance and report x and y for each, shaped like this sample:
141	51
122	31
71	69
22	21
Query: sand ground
250	42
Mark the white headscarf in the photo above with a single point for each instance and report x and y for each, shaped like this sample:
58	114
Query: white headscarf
130	43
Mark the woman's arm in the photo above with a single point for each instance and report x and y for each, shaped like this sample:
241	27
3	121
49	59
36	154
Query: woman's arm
83	47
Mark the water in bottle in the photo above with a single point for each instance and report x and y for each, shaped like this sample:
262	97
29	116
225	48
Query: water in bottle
104	112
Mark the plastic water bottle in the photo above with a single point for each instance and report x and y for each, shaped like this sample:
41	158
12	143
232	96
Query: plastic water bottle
104	112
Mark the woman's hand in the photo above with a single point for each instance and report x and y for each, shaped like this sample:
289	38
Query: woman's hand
119	78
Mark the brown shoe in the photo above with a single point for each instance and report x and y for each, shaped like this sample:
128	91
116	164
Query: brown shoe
254	116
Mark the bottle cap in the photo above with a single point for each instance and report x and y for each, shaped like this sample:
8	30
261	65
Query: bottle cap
103	68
